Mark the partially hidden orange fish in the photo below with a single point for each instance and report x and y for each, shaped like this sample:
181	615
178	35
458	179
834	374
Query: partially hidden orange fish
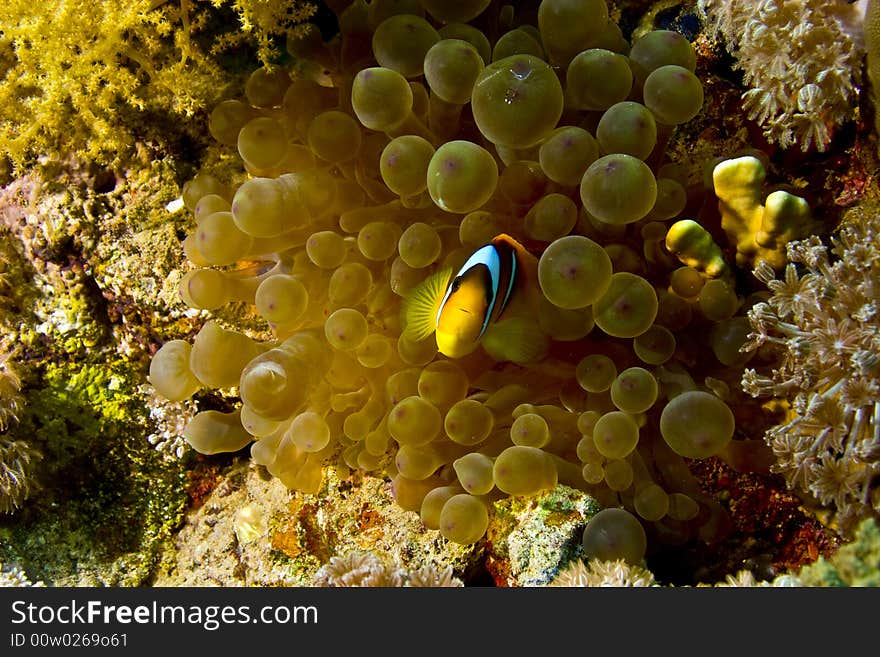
490	301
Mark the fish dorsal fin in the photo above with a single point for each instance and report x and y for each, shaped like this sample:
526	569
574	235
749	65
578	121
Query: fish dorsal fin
510	279
423	303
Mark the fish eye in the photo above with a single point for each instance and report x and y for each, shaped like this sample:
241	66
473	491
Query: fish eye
456	283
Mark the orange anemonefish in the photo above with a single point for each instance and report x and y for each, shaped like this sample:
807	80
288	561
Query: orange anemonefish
465	310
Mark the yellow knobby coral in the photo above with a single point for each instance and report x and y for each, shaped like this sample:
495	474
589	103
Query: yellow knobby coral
760	229
694	246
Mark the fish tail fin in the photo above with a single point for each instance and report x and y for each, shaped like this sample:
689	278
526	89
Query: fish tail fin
516	339
422	303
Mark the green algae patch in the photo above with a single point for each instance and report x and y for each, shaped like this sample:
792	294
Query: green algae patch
108	501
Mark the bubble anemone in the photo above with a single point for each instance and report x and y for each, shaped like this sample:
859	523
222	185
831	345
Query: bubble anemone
651	502
334	136
381	98
634	390
696	424
474	36
281	299
569	26
717	300
530	429
655	346
595	373
404	164
468	422
463	519
454	11
618	189
686	282
170	373
727	337
517	42
310	431
326	249
227	119
261	143
346	328
627	127
213	432
419	245
566	153
433	502
627	308
615	434
574	271
443	383
474	472
618	475
349	284
219	241
674	94
400	43
562	324
354	193
597	78
461	176
414	421
416	463
552	217
659	48
615	534
523	470
219	355
517	101
451	69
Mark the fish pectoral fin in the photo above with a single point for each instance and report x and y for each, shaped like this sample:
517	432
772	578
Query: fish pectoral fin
516	339
422	304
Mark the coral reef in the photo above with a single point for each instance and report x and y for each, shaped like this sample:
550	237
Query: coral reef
17	457
366	569
603	573
15	473
747	579
96	467
238	297
530	537
15	576
801	60
342	268
10	388
821	320
247	529
855	564
80	363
